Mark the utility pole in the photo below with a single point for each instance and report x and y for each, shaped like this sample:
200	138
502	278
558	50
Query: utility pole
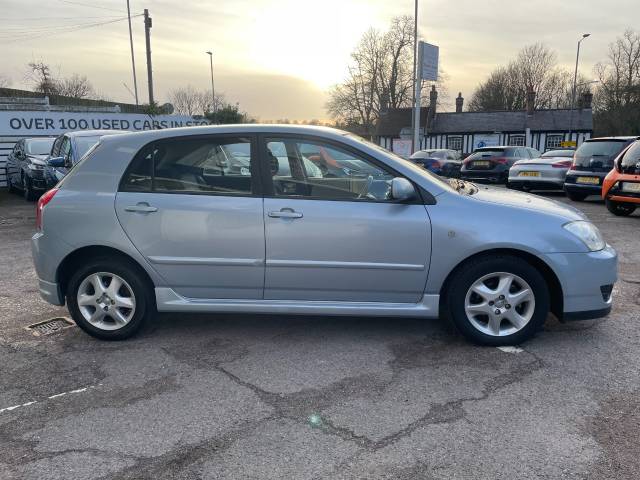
213	90
147	38
133	59
415	70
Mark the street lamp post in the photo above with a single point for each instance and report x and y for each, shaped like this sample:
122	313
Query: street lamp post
573	91
213	90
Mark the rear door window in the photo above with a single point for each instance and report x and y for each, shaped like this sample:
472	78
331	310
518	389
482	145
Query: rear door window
212	164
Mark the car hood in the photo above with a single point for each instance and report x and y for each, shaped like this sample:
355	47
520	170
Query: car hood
527	201
38	159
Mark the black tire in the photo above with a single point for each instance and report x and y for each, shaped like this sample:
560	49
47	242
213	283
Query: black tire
514	186
576	197
620	209
474	270
27	190
145	306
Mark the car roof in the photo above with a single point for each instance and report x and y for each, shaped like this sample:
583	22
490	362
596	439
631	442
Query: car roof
618	138
150	135
93	133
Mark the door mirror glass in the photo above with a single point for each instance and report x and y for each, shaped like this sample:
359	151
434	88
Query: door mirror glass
402	189
56	162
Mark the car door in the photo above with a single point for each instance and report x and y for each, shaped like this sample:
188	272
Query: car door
339	237
195	217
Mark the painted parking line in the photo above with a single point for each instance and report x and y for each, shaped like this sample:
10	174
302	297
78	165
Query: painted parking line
50	397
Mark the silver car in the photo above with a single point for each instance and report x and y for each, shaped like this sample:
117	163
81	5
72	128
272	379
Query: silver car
157	221
544	173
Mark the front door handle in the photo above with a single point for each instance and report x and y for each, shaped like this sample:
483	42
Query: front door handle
142	207
285	213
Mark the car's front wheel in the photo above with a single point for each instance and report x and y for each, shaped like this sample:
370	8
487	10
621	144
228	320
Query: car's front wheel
619	208
27	189
498	300
109	299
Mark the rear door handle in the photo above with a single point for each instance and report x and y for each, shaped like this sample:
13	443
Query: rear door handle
142	207
285	213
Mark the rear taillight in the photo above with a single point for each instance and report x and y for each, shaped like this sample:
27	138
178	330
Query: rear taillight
562	164
501	160
42	202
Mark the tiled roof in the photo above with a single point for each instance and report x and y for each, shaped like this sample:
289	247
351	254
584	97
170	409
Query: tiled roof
502	121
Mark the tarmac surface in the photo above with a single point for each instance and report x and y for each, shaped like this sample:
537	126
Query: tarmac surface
274	397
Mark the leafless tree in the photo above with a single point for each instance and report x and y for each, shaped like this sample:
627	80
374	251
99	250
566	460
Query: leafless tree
535	68
379	76
190	101
40	76
75	86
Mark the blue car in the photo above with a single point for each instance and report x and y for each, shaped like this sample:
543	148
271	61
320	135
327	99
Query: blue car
444	162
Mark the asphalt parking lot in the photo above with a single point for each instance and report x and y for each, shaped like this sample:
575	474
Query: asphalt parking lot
307	397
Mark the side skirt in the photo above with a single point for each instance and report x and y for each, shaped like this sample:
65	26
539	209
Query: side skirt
169	301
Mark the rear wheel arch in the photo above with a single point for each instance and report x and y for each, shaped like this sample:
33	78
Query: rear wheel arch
82	255
553	283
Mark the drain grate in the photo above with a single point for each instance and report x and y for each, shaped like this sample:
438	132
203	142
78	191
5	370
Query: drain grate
50	326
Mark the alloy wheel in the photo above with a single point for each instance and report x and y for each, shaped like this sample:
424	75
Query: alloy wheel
106	301
499	304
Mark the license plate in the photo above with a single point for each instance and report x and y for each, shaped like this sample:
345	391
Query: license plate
630	187
589	180
529	174
481	164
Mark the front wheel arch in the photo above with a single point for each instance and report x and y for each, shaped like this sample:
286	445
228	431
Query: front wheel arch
553	283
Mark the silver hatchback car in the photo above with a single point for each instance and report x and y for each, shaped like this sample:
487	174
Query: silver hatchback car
164	221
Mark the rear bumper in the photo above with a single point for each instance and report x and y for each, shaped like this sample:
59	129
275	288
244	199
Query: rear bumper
50	292
491	176
586	315
537	184
571	182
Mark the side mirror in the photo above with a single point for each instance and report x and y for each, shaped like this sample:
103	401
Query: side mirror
402	189
56	162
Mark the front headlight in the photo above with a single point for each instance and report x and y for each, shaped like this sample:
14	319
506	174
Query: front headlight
588	233
33	166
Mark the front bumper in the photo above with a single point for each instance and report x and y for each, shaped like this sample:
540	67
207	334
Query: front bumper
583	277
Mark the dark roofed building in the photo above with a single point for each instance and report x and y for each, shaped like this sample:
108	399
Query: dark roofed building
466	131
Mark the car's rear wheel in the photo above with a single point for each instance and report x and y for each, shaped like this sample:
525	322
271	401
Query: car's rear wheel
620	209
498	300
110	300
576	197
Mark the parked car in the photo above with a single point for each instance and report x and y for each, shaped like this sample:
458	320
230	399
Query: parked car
137	227
26	167
439	161
544	173
70	147
591	163
621	187
492	164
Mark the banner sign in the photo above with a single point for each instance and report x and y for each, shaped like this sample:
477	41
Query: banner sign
489	140
429	61
36	123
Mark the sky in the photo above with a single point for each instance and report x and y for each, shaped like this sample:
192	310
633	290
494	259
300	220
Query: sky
279	58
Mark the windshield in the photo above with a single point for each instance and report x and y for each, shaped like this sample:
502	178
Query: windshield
83	144
558	153
39	146
598	154
630	162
